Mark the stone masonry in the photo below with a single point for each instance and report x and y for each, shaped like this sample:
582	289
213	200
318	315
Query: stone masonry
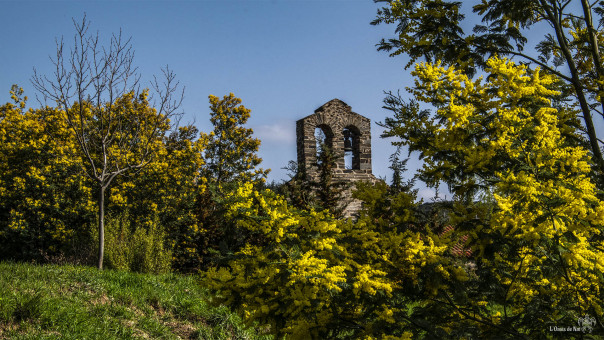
349	134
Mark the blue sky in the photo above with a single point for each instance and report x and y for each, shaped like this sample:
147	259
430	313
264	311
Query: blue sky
283	58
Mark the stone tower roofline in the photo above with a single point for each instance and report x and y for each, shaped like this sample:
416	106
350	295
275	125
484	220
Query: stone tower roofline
324	116
334	102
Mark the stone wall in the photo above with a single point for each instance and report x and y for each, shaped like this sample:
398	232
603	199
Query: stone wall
333	117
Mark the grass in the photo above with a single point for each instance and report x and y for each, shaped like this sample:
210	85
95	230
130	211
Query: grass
72	302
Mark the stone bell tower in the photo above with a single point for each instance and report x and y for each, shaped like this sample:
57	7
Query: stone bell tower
348	134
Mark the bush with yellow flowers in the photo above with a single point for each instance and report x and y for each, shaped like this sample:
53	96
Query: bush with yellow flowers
230	157
525	213
313	276
165	195
525	200
45	202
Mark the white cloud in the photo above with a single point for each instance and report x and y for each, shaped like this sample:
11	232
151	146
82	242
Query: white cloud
281	132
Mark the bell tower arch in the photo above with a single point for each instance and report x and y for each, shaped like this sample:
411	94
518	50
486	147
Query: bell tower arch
349	135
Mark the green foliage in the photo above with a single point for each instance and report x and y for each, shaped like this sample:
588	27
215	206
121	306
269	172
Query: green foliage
116	129
230	159
319	277
432	30
398	167
427	29
138	248
166	192
45	203
527	257
255	281
297	190
329	193
71	302
320	192
535	236
231	151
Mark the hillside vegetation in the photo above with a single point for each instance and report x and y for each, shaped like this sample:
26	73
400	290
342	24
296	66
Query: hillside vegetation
75	302
516	253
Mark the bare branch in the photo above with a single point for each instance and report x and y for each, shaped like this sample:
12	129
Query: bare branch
166	90
98	89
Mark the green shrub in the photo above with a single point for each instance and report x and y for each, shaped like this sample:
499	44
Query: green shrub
140	248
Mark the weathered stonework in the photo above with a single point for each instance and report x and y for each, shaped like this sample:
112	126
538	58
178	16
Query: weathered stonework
336	118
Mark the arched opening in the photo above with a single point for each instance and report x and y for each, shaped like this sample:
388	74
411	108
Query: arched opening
351	148
323	138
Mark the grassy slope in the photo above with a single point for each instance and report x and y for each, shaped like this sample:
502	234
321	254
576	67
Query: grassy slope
68	302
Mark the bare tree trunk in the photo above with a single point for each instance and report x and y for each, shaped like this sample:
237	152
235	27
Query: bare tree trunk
91	79
555	19
595	52
101	226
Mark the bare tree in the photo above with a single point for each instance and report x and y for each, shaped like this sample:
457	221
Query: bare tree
111	118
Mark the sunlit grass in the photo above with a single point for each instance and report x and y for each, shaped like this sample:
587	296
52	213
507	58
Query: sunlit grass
70	302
